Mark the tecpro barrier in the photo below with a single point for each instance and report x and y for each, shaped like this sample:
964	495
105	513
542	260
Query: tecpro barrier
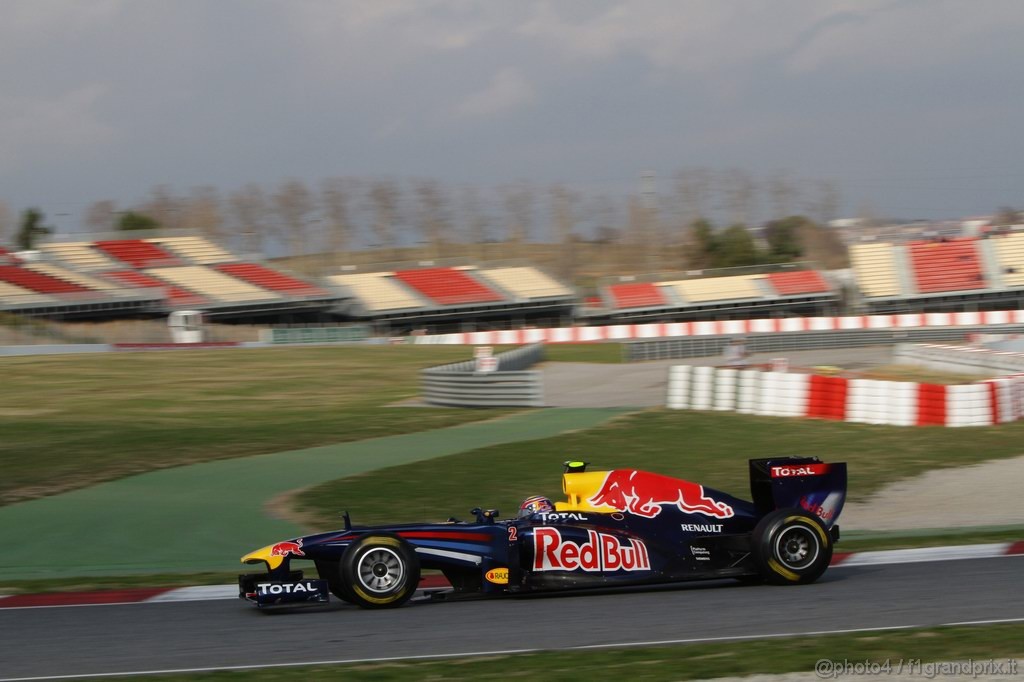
869	401
509	384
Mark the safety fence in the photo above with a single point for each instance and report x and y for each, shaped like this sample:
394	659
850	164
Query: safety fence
509	384
963	359
751	391
958	324
323	334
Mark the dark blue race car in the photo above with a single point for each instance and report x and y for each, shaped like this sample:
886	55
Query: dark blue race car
616	528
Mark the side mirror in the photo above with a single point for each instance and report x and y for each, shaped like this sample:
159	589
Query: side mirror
484	515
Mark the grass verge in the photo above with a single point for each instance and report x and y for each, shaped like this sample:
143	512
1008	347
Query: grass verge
890	652
71	421
711	448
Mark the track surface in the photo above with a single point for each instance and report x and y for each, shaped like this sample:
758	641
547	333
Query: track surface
149	637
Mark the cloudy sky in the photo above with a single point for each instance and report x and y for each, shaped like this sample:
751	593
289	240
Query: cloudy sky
913	107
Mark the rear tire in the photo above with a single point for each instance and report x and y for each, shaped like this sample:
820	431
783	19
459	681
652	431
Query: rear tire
791	547
379	572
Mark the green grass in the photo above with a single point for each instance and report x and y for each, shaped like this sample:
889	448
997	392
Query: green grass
71	421
911	647
75	420
711	448
203	517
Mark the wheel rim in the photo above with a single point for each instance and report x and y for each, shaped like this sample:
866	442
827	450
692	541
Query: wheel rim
381	570
796	547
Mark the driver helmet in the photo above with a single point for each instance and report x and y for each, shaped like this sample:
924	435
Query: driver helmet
535	504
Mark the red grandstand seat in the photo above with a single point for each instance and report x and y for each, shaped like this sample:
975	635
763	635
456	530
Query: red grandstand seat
948	265
799	282
636	295
175	294
270	279
8	258
448	286
138	253
37	281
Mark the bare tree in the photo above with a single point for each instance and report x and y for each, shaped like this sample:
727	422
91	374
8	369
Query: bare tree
384	196
782	193
518	200
249	207
293	203
653	241
739	192
6	225
101	216
823	205
163	207
693	189
475	221
202	213
336	198
636	236
601	212
432	216
564	218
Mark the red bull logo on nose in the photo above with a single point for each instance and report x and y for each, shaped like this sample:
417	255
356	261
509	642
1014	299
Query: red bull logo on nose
643	494
286	548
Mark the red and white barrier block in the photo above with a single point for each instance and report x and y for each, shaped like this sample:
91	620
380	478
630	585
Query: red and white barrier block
868	401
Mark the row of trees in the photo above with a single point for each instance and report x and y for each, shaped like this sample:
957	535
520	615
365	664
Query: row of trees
668	224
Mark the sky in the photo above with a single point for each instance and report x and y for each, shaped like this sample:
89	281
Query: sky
909	106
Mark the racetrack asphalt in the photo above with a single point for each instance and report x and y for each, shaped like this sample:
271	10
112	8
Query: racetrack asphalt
216	634
203	517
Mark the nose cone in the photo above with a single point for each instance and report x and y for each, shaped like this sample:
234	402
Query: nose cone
266	555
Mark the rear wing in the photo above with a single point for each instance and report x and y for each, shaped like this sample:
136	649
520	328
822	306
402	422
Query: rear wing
799	482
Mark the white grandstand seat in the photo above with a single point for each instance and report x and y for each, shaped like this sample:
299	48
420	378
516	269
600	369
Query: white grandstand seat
709	289
196	249
378	291
79	254
1010	254
526	282
212	284
874	266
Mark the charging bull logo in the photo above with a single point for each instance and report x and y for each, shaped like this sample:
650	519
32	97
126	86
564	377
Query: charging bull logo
286	548
641	493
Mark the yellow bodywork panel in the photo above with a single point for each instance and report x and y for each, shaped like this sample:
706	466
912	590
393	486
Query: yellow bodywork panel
264	554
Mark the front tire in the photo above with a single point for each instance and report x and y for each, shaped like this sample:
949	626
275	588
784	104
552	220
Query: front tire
791	547
380	572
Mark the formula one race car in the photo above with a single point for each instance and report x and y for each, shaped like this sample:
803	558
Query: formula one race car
616	528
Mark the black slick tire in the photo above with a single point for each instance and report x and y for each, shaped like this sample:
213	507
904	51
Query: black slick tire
791	547
379	571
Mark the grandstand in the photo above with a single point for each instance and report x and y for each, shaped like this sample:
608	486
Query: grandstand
198	250
526	283
406	297
941	275
32	288
756	292
153	275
